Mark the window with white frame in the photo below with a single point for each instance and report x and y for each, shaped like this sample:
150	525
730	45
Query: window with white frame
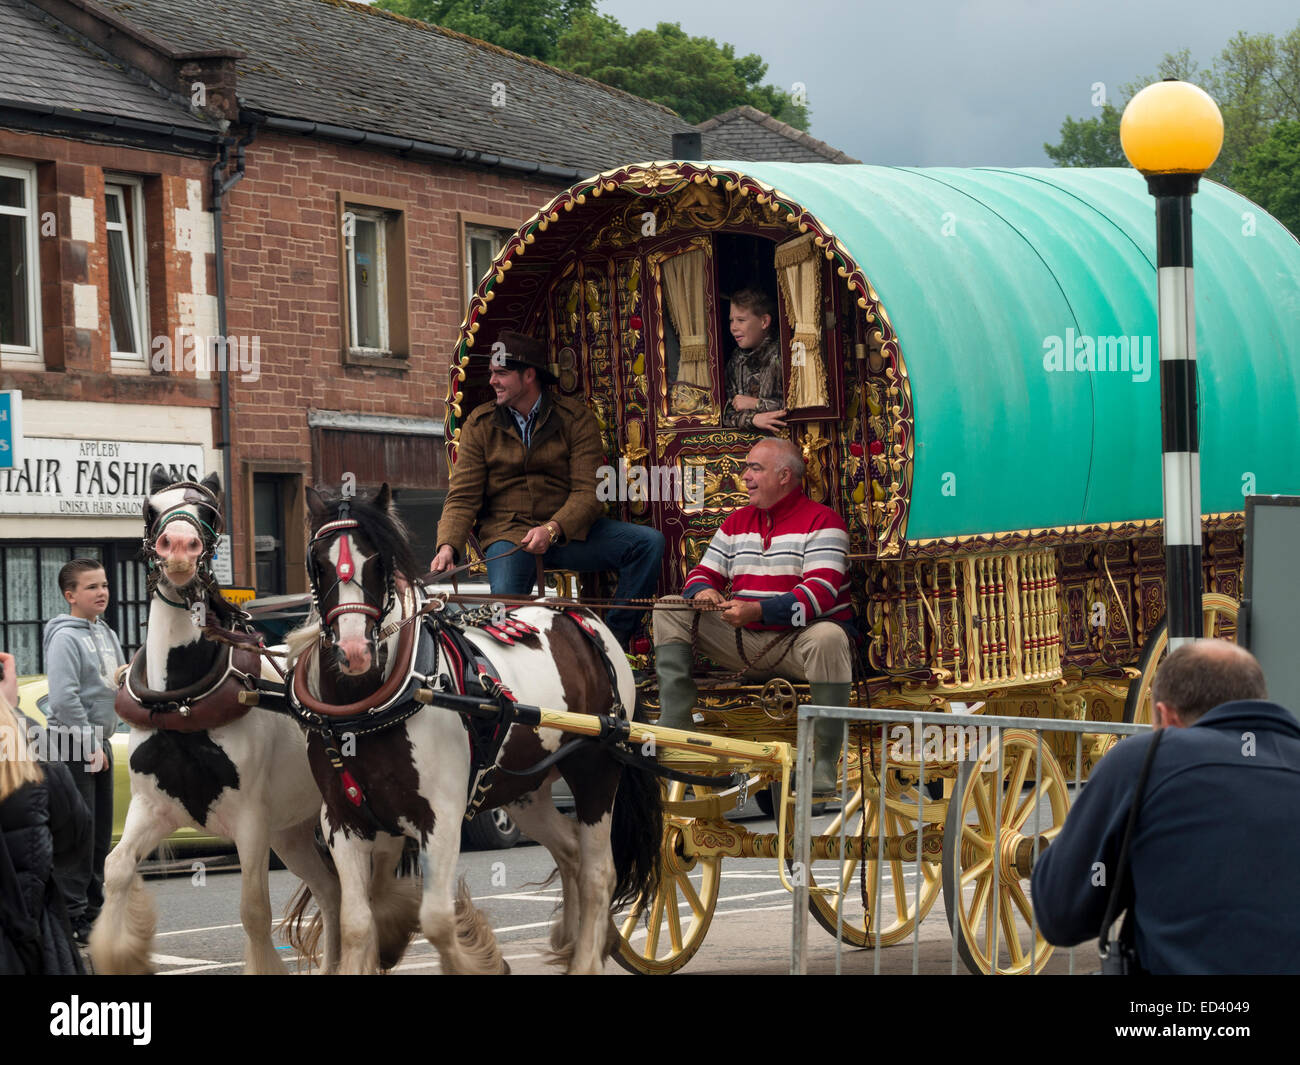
128	300
482	244
366	238
20	325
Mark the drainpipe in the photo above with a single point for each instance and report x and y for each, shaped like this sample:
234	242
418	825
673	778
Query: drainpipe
220	186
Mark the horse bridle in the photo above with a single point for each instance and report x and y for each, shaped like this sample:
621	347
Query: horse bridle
346	572
208	533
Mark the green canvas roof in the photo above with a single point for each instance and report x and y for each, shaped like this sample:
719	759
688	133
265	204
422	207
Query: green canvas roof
985	274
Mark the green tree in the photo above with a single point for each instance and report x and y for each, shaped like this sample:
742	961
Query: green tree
1089	141
1095	141
695	76
529	27
1270	174
1255	81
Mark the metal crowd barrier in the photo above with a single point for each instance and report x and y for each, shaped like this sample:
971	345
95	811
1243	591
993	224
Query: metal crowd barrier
917	720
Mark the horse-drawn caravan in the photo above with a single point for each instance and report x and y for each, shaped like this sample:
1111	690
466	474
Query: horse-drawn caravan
970	370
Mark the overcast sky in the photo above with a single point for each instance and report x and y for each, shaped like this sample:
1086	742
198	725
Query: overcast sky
959	82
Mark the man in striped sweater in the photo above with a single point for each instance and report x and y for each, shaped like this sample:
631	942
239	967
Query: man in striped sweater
788	613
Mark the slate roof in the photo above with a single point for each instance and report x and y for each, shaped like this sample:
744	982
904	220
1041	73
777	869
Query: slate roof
346	64
44	65
748	134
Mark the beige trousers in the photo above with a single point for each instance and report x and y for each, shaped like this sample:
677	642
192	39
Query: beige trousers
820	654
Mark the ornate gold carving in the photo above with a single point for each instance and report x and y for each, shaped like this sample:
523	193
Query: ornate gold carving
724	483
689	399
813	448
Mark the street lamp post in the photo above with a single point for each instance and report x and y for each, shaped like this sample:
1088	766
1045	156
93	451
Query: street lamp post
1172	132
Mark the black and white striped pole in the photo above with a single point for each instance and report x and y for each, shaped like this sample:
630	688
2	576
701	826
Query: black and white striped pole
1172	132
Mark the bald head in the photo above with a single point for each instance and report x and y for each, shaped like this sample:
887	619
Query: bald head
1204	674
784	455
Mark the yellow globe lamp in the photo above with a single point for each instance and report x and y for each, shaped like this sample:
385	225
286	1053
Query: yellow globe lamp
1171	127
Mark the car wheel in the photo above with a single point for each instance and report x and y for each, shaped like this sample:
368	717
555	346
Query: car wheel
767	799
491	830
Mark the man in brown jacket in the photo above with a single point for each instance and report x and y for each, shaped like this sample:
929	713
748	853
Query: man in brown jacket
526	473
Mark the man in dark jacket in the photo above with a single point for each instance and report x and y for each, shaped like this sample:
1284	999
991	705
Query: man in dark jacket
1213	875
527	466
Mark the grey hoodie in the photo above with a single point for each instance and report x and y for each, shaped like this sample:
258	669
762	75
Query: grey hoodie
80	659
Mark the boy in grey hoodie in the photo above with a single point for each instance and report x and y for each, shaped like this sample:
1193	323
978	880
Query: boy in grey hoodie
81	656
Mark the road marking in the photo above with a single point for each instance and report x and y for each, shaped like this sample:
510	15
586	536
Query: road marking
641	933
435	963
209	928
210	967
521	896
168	959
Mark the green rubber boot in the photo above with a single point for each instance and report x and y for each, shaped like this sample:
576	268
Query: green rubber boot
826	737
674	664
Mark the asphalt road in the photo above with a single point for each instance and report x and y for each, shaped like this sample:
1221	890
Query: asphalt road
199	933
198	907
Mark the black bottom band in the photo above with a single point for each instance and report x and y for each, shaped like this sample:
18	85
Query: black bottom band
1183	590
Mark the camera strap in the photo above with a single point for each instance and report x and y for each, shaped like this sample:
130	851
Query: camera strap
1121	960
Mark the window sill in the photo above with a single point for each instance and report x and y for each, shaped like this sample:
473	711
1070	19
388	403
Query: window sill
377	361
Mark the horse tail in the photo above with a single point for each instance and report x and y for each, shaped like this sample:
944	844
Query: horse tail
302	930
636	835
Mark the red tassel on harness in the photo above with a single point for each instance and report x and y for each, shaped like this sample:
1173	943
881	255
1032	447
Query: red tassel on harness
351	788
581	621
499	635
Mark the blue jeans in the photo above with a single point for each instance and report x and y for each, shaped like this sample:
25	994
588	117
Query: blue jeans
634	550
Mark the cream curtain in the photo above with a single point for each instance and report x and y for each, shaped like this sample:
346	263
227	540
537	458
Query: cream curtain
684	288
798	267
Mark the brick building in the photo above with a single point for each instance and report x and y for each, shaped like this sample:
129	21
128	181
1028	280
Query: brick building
104	241
313	188
383	161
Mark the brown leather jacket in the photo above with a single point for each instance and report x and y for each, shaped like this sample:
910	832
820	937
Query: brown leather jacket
506	492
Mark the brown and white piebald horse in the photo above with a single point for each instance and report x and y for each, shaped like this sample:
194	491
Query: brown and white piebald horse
409	779
196	756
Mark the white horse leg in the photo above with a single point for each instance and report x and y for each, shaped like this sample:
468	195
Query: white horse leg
394	902
359	952
123	934
595	889
254	846
539	820
297	848
448	918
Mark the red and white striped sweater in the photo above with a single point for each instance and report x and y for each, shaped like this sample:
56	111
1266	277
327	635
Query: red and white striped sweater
791	557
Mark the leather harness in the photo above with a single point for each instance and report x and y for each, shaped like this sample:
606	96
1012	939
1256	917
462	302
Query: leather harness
208	703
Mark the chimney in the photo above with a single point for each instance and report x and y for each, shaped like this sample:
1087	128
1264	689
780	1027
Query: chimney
688	147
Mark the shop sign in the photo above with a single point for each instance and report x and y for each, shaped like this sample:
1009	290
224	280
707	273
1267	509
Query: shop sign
91	478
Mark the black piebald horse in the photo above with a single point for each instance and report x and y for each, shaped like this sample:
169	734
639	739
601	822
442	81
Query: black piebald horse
392	769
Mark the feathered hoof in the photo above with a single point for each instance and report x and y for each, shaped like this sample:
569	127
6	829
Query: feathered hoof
123	948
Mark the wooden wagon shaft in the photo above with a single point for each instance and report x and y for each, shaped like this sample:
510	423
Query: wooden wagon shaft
675	748
706	839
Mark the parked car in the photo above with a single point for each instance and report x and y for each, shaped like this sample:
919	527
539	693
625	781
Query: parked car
33	700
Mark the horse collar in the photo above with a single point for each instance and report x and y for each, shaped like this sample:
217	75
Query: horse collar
179	606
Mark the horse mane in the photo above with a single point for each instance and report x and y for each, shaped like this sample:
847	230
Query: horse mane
298	640
385	530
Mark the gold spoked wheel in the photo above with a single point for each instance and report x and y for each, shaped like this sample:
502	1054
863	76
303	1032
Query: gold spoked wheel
858	893
974	830
677	918
1219	620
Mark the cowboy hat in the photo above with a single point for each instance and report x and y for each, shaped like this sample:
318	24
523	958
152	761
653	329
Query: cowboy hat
516	351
